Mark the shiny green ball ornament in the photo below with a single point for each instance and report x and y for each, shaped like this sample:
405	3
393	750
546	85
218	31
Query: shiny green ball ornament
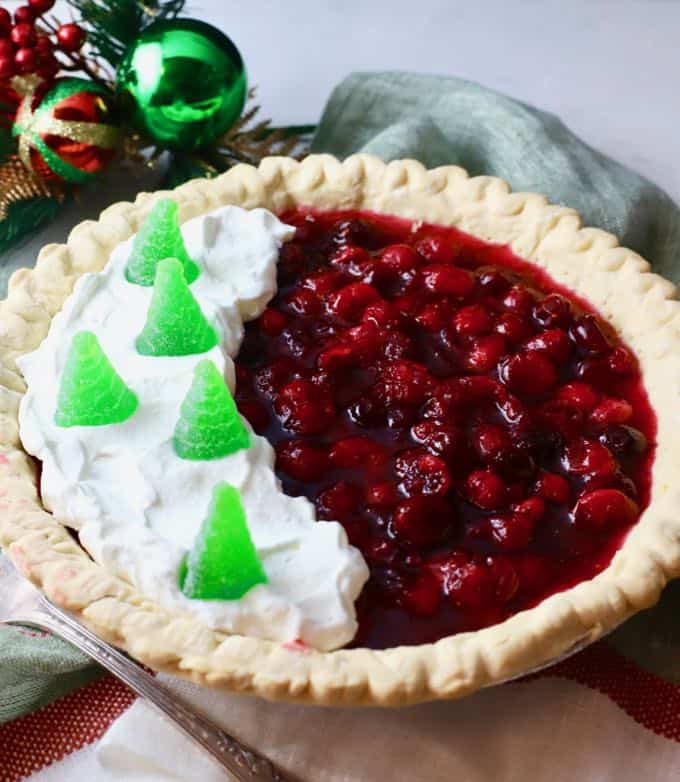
182	83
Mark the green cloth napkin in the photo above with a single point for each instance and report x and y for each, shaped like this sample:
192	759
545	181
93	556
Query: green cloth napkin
438	121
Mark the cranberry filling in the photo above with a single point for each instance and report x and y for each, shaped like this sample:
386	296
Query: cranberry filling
483	436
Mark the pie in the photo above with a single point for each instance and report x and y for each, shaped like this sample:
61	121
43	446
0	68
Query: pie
454	460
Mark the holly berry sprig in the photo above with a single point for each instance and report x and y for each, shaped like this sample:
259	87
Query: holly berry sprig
30	43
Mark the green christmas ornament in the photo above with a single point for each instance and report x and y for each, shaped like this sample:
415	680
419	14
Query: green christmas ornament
175	325
91	392
159	237
182	83
223	564
209	425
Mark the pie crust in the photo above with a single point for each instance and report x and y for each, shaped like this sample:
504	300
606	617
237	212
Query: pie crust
641	306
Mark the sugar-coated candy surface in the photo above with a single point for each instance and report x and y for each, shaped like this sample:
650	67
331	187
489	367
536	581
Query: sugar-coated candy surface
209	426
175	325
223	564
158	238
91	392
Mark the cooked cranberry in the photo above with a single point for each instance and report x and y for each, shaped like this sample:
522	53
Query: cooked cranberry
621	362
421	594
382	494
492	282
383	313
366	412
472	321
447	280
349	302
272	322
301	460
434	316
399	416
338	501
419	520
512	532
528	373
583	456
554	311
401	257
303	409
257	415
351	259
512	327
489	440
623	440
560	417
303	302
532	508
269	379
467	584
612	411
518	299
484	353
596	371
396	346
514	464
505	575
336	357
296	339
580	396
605	508
587	335
553	343
437	250
422	473
364	341
441	439
485	489
553	487
405	382
352	231
357	452
323	282
512	409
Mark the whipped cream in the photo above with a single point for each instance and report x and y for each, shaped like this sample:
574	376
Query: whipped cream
136	504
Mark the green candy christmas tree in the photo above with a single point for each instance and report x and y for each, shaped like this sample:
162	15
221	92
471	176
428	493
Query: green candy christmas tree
209	426
91	392
175	325
223	564
160	237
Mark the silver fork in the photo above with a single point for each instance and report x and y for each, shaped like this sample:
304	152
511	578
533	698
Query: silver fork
22	604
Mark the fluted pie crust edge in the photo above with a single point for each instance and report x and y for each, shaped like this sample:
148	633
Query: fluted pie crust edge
641	306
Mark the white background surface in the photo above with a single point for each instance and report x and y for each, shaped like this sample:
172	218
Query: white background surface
609	68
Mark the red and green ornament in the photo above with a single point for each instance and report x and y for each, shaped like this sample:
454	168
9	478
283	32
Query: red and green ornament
64	130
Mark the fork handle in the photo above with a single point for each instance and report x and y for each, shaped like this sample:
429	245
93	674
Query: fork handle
241	761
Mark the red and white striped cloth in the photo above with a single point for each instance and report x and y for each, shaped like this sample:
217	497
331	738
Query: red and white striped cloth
596	716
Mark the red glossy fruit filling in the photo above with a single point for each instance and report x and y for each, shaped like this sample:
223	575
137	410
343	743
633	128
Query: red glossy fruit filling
483	436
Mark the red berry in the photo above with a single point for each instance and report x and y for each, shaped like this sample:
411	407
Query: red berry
580	396
492	282
554	311
472	321
467	584
5	19
532	509
382	494
447	280
256	414
621	362
70	37
519	300
528	373
350	258
512	327
301	460
25	60
402	382
419	520
23	35
485	353
553	487
269	379
586	333
485	489
421	595
553	343
612	411
303	409
357	451
339	501
272	322
303	302
605	508
437	250
489	440
24	14
400	257
6	48
336	357
512	532
441	439
587	457
383	313
349	302
7	67
41	7
422	473
505	575
434	315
